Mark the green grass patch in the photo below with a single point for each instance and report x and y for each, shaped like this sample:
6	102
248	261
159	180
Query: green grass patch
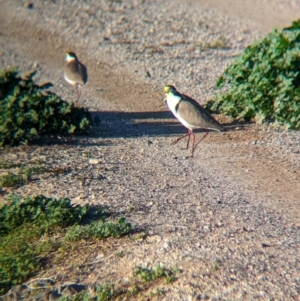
142	280
12	179
18	174
149	274
29	231
99	229
47	213
263	83
219	43
104	292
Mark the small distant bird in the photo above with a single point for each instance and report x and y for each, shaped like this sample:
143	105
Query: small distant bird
190	114
75	73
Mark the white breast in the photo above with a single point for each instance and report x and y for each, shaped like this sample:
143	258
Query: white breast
172	102
69	81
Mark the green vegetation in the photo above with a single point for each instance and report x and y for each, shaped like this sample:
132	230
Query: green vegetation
99	229
29	111
46	213
29	229
20	174
11	179
219	43
103	293
158	272
216	265
141	281
24	175
264	81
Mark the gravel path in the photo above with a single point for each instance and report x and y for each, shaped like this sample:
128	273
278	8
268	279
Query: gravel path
229	218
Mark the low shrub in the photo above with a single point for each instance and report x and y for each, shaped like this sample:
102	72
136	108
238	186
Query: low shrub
29	111
263	83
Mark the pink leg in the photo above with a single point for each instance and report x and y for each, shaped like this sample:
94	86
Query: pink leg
78	90
201	139
178	139
195	145
188	142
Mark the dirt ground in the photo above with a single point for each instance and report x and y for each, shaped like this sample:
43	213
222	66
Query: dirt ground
238	195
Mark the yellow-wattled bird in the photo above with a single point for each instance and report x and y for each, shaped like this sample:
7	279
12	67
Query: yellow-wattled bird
191	114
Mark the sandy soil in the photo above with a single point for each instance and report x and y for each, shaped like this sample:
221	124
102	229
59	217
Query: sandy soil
236	203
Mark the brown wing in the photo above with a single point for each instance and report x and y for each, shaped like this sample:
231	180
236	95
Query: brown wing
196	115
77	72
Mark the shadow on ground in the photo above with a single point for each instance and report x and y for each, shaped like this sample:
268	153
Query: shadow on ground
135	124
130	125
138	124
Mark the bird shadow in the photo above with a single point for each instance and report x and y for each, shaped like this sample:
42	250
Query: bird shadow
85	73
120	124
113	124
